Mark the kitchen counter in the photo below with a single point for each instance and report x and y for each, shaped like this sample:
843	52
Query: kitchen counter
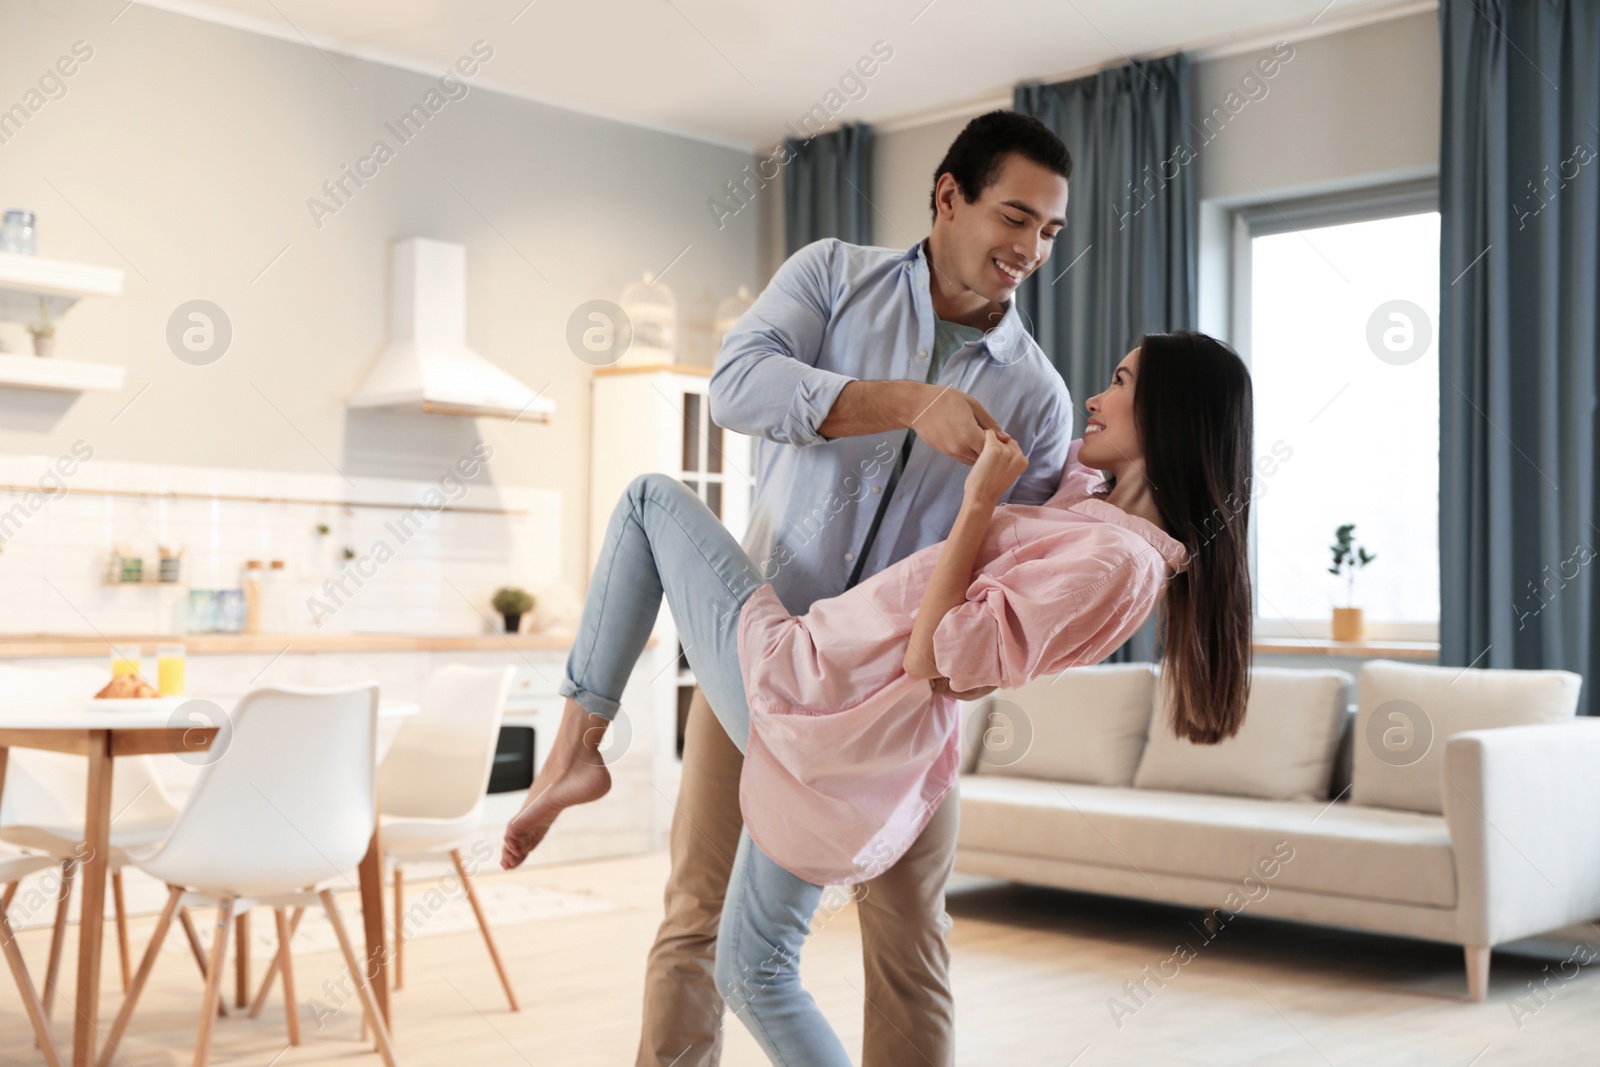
37	646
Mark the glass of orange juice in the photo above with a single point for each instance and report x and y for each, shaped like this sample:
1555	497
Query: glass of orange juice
169	670
124	660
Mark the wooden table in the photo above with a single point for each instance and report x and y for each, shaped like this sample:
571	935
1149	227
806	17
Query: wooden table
102	736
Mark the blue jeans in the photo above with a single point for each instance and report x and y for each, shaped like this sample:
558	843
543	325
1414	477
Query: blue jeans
663	540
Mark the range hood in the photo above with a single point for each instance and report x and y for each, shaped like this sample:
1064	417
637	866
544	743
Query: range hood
427	365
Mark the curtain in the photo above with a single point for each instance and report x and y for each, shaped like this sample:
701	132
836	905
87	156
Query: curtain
1125	264
826	188
1519	196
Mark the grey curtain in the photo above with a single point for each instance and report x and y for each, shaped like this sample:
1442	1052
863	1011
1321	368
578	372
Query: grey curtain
1519	198
1125	264
826	188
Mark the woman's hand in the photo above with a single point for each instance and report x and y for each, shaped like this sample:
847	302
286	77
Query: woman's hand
941	685
998	467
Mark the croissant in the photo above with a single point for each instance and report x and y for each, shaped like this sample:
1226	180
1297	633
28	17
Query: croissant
123	686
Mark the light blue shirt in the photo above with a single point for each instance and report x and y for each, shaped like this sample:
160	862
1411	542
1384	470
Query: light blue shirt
834	313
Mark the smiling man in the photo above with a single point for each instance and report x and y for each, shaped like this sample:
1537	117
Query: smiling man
870	375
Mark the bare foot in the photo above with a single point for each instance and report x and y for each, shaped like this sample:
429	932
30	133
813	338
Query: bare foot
573	773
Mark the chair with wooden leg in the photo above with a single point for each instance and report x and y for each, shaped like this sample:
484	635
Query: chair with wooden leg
12	870
43	809
431	788
289	802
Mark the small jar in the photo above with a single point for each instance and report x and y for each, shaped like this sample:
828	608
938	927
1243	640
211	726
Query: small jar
17	233
202	615
230	611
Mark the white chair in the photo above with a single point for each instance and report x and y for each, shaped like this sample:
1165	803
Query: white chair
432	784
13	869
289	804
43	808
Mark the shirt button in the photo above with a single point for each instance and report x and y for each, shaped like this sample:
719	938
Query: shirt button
875	489
924	287
848	556
922	353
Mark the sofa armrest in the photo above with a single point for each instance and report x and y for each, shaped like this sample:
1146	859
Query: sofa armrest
1522	804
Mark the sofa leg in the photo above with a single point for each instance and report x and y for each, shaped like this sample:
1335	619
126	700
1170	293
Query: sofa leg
1477	972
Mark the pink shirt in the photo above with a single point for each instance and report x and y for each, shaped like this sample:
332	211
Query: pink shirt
849	755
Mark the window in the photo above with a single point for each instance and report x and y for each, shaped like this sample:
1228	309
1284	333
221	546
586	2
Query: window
1335	308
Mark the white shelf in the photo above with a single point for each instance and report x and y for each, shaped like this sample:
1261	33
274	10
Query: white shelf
28	281
24	280
57	277
59	375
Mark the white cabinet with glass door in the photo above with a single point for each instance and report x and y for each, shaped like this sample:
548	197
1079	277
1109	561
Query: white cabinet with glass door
658	419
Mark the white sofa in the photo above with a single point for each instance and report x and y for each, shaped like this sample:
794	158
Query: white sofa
1453	805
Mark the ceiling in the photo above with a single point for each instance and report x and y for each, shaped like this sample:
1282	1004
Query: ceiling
734	73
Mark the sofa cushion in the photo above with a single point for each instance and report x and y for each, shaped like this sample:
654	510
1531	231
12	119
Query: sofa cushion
1406	712
1086	724
1283	751
1328	848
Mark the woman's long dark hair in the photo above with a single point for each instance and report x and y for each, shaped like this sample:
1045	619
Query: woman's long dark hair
1193	408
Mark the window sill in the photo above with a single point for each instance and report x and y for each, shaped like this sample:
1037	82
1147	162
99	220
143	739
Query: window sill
1324	646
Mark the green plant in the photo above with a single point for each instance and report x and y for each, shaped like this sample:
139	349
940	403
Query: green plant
509	600
1348	557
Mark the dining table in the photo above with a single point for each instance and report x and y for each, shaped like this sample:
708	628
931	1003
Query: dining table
102	736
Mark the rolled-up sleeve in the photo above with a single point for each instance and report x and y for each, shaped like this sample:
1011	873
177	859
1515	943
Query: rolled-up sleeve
1047	455
1043	616
765	381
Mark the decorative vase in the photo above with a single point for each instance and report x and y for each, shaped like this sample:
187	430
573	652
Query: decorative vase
1348	625
42	345
512	622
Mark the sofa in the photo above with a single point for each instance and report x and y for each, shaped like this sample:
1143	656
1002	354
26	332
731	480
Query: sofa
1459	806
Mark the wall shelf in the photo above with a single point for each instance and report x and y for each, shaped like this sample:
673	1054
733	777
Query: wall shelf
32	288
59	375
24	280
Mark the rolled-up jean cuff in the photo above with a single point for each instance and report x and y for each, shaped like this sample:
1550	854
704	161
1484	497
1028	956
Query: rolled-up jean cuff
589	701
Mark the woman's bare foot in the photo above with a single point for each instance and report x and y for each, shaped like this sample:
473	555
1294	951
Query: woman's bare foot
573	773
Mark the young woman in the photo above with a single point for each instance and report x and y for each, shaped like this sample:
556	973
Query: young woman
847	715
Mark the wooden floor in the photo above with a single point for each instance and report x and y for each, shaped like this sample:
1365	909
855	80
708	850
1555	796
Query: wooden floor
1035	974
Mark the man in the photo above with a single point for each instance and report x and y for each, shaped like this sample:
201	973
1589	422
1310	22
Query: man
870	375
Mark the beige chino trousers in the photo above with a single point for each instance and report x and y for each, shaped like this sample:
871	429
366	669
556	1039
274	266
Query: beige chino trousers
909	1013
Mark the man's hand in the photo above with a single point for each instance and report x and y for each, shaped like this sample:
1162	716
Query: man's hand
941	685
952	422
947	419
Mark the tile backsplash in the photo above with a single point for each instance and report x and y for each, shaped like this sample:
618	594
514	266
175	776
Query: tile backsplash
428	570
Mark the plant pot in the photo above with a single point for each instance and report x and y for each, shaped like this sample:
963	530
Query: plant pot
512	622
1348	625
43	346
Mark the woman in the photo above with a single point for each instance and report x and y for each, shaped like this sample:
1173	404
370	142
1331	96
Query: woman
847	715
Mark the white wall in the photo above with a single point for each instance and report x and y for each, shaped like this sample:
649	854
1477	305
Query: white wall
184	153
1356	107
1347	109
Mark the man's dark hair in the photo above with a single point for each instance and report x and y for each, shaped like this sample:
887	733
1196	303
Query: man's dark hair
976	155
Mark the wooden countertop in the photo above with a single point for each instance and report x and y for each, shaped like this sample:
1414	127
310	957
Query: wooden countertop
30	646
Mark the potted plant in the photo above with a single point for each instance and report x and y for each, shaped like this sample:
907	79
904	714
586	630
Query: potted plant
512	604
1348	624
44	334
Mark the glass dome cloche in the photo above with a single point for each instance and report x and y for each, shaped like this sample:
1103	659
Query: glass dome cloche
653	312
